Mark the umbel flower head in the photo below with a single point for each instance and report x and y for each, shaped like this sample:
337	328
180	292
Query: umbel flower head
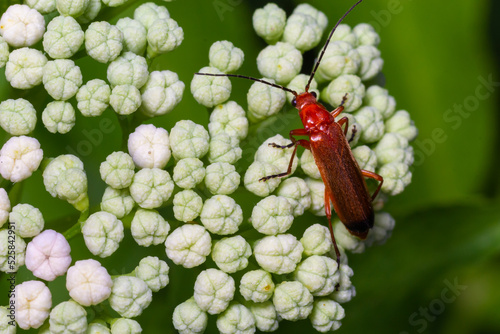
199	195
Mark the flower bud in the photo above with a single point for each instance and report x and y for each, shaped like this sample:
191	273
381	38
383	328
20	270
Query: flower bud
213	290
264	100
188	140
371	62
188	245
269	22
93	97
401	123
316	240
24	69
308	165
236	319
117	202
154	272
221	215
102	233
393	147
134	35
19	245
149	12
281	62
149	146
221	178
19	158
338	88
345	291
73	8
372	123
17	117
42	6
21	26
366	35
103	41
381	230
161	93
5	326
266	318
58	117
125	326
228	118
149	228
63	38
396	177
299	83
365	157
278	254
189	318
91	12
188	172
272	215
318	274
292	300
257	286
225	56
118	170
255	172
4	206
295	190
33	301
317	191
302	31
319	16
68	317
88	282
224	148
379	98
276	156
27	219
128	69
129	296
209	90
344	33
151	187
340	58
187	205
231	254
125	99
61	78
326	315
4	53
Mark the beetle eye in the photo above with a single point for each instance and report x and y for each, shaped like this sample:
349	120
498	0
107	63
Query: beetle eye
314	94
294	102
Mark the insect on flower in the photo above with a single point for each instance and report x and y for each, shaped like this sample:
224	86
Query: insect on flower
345	186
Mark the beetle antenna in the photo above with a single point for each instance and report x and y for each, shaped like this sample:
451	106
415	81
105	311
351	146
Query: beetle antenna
326	45
250	78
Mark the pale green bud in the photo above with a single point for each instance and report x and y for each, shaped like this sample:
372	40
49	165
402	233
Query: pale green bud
189	318
161	93
21	26
154	272
27	219
42	6
225	56
292	300
88	282
401	123
73	8
65	178
151	187
231	254
295	190
4	52
276	156
317	192
213	290
272	215
19	158
257	286
379	98
117	202
93	97
299	83
366	158
114	3
224	148
344	33
208	90
163	36
345	239
58	117
134	35
264	100
256	171
221	215
188	245
340	58
118	170
17	117
68	318
102	233
371	62
393	147
5	327
125	99
318	274
129	296
396	177
97	327
128	69
4	206
62	78
308	165
316	240
353	138
188	140
366	35
91	12
338	88
103	41
345	291
221	178
326	315
188	172
125	326
149	228
269	22
371	122
236	319
278	254
187	205
318	16
381	230
149	12
19	251
280	62
228	118
266	318
24	69
63	38
302	31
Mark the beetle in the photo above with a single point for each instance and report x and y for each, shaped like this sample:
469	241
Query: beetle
344	181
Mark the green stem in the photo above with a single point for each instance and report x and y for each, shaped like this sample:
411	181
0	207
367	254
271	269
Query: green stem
77	227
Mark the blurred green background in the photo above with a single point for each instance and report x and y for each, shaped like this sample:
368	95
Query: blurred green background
440	271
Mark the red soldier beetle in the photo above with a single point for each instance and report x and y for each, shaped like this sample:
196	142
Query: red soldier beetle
345	186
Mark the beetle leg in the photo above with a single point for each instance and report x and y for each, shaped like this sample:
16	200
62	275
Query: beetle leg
372	175
346	128
328	211
340	108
